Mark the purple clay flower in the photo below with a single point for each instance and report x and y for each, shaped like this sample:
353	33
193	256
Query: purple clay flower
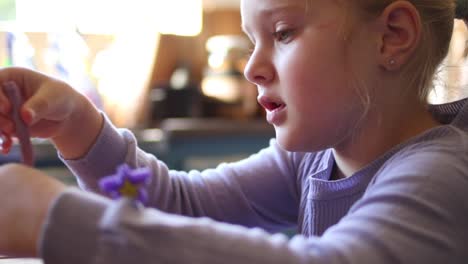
127	182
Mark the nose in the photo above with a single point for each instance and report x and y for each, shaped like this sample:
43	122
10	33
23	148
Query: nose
259	69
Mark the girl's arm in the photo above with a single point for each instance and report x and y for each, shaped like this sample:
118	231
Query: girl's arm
416	212
259	191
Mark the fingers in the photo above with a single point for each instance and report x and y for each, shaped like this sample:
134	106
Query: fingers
5	105
10	74
27	115
6	130
6	143
53	101
46	100
6	125
10	120
36	108
22	131
44	96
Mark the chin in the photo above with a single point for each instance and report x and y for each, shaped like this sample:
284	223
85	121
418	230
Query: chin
297	143
289	143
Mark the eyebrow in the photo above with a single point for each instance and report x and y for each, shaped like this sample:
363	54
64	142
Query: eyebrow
269	12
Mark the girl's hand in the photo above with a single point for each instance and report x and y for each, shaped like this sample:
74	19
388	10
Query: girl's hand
52	109
26	195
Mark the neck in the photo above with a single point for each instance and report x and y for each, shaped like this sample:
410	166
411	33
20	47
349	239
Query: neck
380	133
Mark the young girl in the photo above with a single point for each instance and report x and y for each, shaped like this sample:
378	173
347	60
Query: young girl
365	169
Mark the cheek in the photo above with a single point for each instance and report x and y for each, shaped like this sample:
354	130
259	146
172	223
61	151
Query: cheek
317	84
314	74
312	63
322	96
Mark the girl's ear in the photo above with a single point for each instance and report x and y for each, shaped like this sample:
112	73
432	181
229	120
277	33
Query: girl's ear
400	34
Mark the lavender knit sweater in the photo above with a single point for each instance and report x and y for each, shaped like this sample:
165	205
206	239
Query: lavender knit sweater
408	206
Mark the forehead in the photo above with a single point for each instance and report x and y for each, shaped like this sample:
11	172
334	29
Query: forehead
256	13
259	9
269	6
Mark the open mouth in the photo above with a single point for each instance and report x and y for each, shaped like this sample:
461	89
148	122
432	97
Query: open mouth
270	105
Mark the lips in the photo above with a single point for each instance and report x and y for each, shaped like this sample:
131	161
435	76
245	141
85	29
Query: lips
276	110
270	105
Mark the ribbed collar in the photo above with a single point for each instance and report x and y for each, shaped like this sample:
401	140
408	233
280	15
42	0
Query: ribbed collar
452	116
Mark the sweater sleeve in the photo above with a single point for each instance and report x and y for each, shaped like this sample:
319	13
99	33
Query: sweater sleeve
415	212
239	192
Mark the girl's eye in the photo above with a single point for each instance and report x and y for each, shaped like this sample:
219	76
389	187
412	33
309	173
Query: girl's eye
283	35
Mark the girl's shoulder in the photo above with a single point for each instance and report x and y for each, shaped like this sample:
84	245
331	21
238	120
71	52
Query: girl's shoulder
441	148
439	157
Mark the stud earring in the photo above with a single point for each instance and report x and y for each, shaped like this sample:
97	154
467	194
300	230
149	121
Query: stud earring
392	62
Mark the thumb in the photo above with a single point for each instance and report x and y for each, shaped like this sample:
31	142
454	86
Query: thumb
34	109
28	115
45	105
52	101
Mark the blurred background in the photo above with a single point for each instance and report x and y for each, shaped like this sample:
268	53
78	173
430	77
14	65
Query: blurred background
171	71
141	61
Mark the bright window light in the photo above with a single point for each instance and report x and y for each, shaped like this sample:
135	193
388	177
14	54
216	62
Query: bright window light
44	15
177	17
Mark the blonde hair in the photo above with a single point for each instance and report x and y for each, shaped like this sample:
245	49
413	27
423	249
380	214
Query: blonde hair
437	20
